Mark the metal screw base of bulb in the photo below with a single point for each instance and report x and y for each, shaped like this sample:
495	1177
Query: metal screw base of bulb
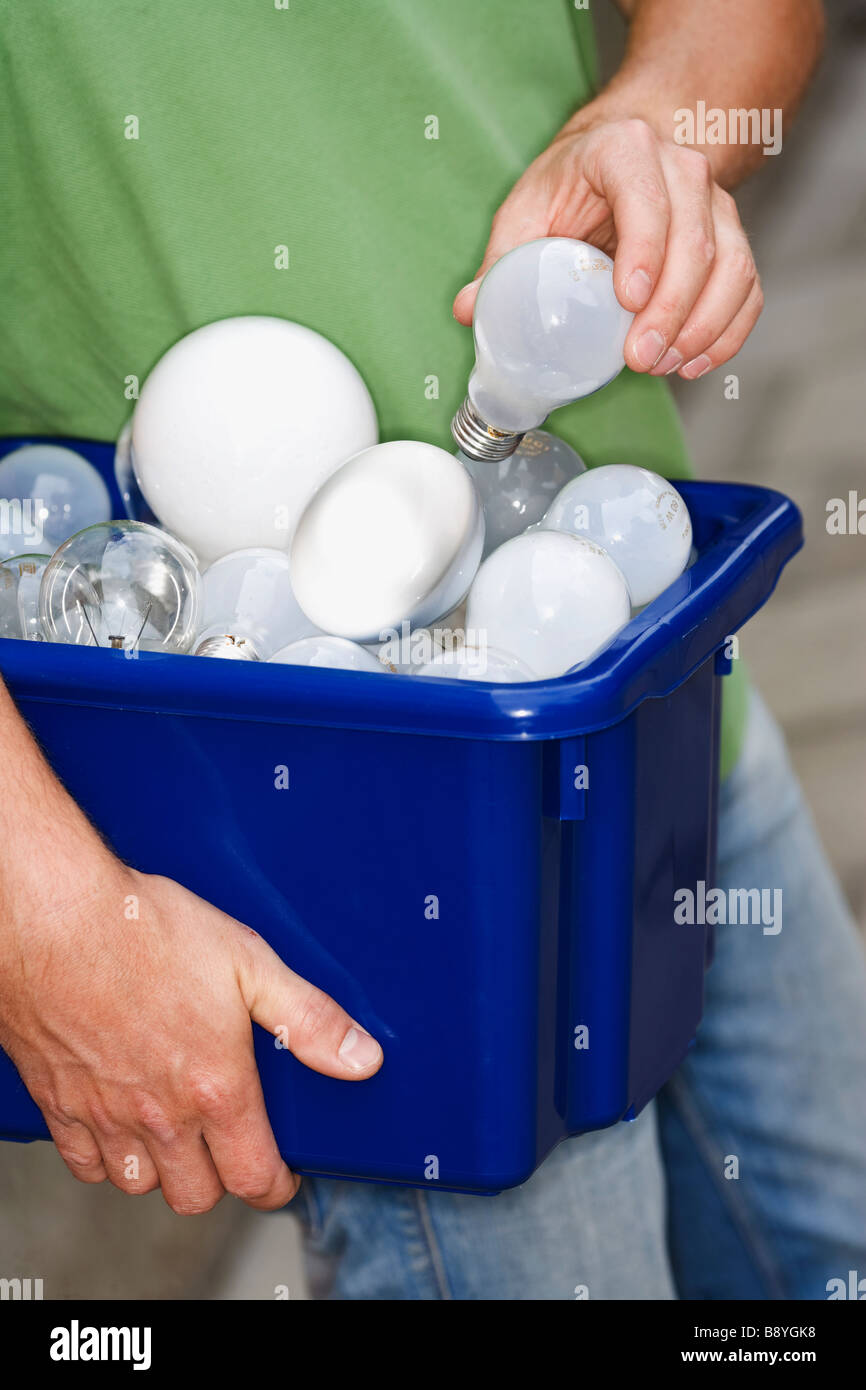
478	440
241	648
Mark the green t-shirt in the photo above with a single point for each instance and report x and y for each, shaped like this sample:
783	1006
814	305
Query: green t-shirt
167	164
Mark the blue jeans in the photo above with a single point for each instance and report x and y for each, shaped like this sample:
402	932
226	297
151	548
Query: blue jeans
746	1178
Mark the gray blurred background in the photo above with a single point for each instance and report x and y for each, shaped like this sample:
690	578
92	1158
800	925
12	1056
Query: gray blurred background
799	425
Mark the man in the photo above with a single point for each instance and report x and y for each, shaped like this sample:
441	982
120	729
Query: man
163	156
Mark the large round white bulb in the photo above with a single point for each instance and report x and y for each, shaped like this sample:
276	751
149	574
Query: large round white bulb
47	493
238	424
549	329
395	534
549	599
637	517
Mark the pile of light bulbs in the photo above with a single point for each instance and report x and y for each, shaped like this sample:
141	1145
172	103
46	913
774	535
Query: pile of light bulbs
265	522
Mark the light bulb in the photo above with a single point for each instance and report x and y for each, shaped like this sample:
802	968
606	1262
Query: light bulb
121	584
395	534
228	648
247	596
134	504
516	491
324	650
47	493
478	664
405	651
549	329
637	517
20	578
549	599
238	424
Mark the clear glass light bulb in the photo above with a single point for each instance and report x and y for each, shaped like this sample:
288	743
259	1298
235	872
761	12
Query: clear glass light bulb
638	517
47	493
395	534
549	329
20	579
122	584
478	664
335	652
131	495
549	599
248	597
516	491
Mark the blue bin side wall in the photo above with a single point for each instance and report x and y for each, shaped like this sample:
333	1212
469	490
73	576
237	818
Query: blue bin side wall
400	873
635	977
597	927
417	881
676	807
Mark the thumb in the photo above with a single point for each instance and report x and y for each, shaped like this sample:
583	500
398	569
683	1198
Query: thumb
310	1023
516	222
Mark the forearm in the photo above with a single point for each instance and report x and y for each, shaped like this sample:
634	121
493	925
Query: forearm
740	55
50	855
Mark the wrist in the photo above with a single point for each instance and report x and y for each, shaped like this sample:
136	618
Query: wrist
54	882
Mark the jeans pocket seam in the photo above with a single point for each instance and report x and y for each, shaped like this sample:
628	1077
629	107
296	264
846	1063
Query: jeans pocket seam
742	1214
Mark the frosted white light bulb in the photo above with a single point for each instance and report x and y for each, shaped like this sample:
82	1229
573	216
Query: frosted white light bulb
516	491
395	534
20	578
478	664
637	517
549	329
549	599
47	493
405	650
335	652
238	424
121	584
248	596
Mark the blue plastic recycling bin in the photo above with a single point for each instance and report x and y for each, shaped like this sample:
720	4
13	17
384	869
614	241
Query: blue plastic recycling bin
434	857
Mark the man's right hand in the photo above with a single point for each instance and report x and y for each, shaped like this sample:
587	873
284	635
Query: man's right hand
133	1034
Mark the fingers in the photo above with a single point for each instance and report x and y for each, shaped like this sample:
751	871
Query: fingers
623	164
732	284
682	262
243	1148
688	260
728	344
78	1149
173	1154
102	1149
308	1022
127	1162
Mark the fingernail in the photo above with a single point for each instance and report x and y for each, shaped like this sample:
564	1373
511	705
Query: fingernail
358	1050
669	363
649	347
697	367
638	288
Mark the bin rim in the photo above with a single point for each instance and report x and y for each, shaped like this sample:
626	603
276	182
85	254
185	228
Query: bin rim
748	535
